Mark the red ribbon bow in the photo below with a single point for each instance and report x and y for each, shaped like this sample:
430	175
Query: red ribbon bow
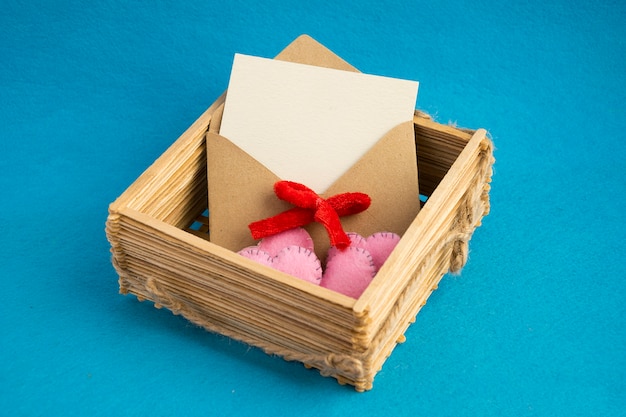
311	207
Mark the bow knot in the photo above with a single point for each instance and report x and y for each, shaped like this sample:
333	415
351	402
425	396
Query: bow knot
311	207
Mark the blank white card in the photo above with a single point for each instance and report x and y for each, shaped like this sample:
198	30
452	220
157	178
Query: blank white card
310	124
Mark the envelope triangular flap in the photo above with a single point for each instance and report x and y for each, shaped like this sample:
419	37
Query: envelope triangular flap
306	50
241	188
388	174
240	192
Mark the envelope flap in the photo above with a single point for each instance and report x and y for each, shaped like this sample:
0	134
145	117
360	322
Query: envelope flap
240	192
306	50
388	174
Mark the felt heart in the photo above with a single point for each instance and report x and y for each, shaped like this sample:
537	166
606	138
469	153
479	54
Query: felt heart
299	262
348	271
379	245
258	255
293	237
290	252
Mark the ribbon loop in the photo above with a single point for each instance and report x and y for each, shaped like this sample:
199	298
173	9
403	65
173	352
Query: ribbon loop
311	207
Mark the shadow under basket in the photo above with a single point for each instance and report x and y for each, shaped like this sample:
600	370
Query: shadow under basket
159	237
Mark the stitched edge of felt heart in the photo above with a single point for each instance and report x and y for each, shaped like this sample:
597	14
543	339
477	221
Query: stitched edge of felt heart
299	262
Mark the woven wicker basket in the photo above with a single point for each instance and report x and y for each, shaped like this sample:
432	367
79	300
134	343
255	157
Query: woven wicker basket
159	237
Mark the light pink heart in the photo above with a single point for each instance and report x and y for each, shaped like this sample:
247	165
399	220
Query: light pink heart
379	245
258	255
299	262
293	237
293	260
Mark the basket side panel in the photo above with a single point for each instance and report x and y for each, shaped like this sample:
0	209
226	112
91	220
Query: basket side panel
438	147
174	188
179	191
448	255
212	288
429	248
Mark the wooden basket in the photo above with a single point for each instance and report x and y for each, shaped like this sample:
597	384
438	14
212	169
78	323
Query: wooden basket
158	232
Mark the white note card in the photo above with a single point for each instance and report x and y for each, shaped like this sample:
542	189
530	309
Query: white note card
310	124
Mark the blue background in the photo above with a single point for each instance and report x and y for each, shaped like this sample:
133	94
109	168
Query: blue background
91	94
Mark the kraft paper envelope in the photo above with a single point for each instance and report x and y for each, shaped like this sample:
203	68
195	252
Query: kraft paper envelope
241	188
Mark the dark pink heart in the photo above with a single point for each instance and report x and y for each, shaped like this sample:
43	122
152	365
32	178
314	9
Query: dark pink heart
348	271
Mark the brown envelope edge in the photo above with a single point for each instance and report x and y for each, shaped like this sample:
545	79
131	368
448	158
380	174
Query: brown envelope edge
241	190
388	174
306	50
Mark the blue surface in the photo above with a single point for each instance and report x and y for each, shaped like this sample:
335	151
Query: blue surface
535	325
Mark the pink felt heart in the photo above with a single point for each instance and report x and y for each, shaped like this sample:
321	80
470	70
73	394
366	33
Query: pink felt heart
284	253
293	237
258	255
299	262
379	245
348	271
